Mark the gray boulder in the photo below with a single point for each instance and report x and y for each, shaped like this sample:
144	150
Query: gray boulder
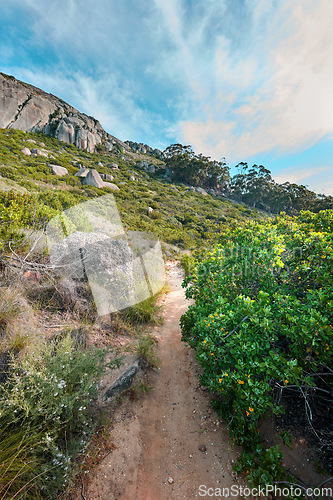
82	172
121	383
151	169
201	191
107	263
143	164
65	132
58	170
114	166
111	186
93	179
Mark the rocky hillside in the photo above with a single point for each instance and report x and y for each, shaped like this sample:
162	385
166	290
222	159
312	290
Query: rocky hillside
28	108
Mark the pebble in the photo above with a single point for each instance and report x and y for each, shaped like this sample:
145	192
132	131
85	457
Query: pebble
202	448
170	480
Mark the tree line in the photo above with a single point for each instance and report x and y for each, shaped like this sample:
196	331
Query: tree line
252	185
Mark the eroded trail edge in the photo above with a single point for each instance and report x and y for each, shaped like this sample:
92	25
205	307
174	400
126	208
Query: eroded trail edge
169	443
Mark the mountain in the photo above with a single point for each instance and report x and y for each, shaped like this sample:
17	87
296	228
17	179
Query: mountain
28	108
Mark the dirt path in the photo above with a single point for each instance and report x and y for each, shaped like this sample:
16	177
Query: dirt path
158	438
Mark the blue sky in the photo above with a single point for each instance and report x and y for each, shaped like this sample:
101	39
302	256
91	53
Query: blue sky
248	80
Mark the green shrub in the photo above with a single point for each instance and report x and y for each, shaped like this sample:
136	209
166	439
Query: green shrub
262	319
51	389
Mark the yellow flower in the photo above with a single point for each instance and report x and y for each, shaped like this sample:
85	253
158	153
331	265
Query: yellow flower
205	341
286	381
251	409
240	382
226	375
212	354
247	414
220	380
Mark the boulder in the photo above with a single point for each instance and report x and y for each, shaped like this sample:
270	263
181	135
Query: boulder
26	151
201	191
65	132
151	169
132	178
93	179
121	383
58	170
107	263
108	177
86	140
143	164
114	166
82	172
111	186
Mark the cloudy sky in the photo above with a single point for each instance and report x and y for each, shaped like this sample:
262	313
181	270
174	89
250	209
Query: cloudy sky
248	80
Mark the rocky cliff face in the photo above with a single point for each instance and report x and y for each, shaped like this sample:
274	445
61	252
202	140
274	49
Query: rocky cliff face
25	107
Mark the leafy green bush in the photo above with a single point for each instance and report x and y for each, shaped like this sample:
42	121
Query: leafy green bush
262	319
19	211
49	389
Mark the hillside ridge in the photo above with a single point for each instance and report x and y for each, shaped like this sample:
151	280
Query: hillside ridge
26	107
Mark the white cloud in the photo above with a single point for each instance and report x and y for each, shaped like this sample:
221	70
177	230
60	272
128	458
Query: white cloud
231	78
275	93
318	179
300	175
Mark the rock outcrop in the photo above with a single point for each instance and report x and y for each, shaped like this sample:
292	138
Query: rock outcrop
139	147
28	108
93	179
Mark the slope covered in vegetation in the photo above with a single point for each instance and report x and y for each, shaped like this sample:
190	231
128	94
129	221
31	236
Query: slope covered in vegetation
180	216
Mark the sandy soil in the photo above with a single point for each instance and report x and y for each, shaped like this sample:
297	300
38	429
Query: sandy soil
171	442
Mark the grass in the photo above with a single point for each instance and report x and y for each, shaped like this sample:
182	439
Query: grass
20	473
143	313
10	305
145	349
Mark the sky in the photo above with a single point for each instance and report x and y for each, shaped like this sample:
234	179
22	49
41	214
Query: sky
245	80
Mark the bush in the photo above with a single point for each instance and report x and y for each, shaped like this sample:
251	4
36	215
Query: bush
262	320
49	389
